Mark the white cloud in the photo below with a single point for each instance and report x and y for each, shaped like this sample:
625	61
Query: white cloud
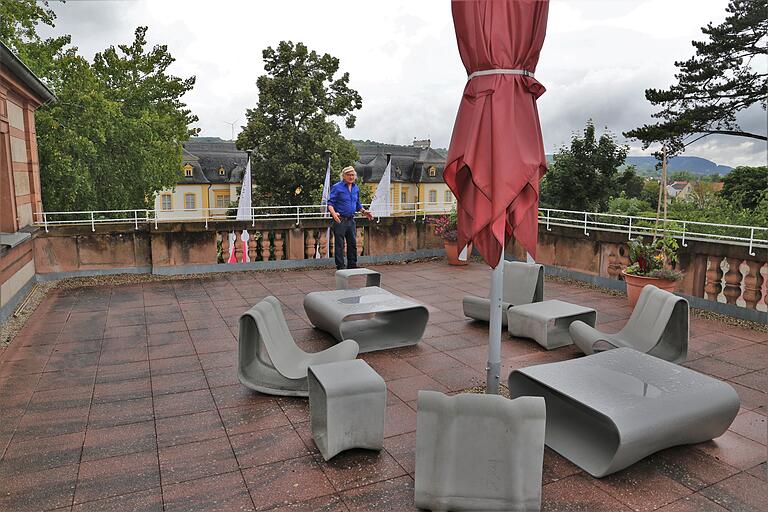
599	57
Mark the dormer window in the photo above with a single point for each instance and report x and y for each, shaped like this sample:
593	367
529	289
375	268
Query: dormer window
221	171
188	171
432	171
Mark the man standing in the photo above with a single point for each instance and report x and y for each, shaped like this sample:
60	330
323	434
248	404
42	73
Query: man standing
343	203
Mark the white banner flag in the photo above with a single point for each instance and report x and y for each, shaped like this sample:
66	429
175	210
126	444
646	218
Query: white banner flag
381	204
326	213
244	205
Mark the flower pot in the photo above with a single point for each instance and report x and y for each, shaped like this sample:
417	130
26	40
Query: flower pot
452	252
635	285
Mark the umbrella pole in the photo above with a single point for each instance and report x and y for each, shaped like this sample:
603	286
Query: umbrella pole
494	328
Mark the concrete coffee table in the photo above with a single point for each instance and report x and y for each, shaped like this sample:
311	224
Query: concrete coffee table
547	322
375	318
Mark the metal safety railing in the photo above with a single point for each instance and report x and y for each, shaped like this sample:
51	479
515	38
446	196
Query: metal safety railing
754	237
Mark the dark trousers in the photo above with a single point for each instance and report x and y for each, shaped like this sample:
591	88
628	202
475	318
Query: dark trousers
345	231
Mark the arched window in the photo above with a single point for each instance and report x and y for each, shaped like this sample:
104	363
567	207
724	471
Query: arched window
188	171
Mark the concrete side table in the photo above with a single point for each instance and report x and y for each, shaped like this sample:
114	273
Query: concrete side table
372	278
478	452
609	410
547	322
347	402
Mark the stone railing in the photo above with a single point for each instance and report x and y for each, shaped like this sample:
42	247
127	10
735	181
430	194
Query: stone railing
720	273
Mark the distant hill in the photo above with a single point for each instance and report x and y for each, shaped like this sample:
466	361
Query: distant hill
693	164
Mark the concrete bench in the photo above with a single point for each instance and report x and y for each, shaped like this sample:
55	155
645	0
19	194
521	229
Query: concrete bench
609	410
547	322
347	402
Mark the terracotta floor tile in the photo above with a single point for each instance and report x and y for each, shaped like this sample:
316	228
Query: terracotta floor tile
122	412
716	342
403	449
238	395
556	467
739	492
458	379
174	365
751	399
756	380
690	467
220	377
734	450
578	494
159	339
752	426
716	367
34	455
693	503
121	390
126	371
286	482
196	460
389	496
399	419
125	355
188	402
250	418
179	382
115	476
389	366
356	468
642	487
42	490
171	350
760	471
753	357
212	360
268	446
52	423
407	389
189	428
166	327
330	503
101	443
221	493
143	501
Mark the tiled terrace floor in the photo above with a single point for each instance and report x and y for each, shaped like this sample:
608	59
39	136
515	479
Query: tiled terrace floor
125	398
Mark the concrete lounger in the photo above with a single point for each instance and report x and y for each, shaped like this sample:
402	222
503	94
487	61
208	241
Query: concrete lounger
268	359
375	318
478	452
547	322
372	278
347	403
523	284
609	410
658	326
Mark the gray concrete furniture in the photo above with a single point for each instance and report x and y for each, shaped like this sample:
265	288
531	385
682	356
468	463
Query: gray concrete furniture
523	284
609	410
372	278
372	316
478	452
347	403
547	322
658	326
268	359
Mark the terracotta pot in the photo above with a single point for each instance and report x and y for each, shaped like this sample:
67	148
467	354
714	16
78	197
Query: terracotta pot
635	285
452	252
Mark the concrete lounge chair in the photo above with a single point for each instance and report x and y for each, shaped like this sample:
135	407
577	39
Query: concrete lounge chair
609	410
523	284
268	359
658	326
344	276
479	452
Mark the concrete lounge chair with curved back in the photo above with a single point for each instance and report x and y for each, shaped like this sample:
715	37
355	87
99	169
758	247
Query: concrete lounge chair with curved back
658	326
523	284
268	359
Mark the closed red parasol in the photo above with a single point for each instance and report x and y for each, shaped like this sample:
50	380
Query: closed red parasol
496	157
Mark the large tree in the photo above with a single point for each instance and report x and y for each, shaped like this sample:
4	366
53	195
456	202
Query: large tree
113	137
293	124
585	175
725	76
744	187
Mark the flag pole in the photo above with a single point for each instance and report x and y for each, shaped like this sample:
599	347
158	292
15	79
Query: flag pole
327	154
493	370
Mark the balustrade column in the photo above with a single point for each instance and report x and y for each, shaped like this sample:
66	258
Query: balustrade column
264	247
360	241
713	286
309	244
323	241
753	284
733	278
279	248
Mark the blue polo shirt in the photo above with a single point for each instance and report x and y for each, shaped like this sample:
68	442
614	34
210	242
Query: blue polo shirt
345	201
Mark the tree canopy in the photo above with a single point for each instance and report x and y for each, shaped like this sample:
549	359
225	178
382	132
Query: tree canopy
113	138
744	187
292	124
585	175
726	75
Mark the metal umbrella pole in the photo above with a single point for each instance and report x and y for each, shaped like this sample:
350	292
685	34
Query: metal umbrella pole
493	370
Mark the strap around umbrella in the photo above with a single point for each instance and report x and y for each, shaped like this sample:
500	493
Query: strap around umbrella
484	72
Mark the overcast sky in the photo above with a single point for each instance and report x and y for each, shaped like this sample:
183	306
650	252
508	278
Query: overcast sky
598	58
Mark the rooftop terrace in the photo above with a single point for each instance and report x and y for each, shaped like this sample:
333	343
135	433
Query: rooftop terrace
126	398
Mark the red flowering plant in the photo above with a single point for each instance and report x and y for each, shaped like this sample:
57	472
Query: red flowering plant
446	226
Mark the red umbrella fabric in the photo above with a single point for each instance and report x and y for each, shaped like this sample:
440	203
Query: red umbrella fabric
496	157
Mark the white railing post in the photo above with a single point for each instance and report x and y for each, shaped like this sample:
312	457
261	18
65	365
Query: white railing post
45	221
155	214
207	213
298	218
683	241
253	216
630	228
548	228
585	224
135	219
93	224
751	240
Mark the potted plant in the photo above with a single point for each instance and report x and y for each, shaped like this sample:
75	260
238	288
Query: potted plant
651	263
446	227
